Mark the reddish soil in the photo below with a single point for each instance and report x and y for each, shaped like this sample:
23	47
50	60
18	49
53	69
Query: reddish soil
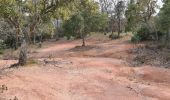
99	71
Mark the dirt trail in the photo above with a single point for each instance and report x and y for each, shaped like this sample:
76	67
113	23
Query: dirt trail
96	72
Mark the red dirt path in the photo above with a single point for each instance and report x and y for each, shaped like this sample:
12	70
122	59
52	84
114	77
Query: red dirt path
97	72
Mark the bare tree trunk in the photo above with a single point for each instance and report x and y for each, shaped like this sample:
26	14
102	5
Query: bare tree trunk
157	37
112	33
40	41
17	36
119	27
167	39
32	34
34	40
83	41
112	27
57	30
27	36
23	54
156	31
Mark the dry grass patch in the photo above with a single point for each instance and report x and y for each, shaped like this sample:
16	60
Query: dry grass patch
31	62
151	54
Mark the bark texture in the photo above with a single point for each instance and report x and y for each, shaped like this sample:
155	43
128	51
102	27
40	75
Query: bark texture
23	54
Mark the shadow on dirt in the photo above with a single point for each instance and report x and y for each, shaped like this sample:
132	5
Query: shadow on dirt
83	48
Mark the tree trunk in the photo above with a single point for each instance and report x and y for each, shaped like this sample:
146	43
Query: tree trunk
57	30
34	41
83	39
27	36
23	54
119	27
32	33
167	39
17	36
156	35
112	32
112	26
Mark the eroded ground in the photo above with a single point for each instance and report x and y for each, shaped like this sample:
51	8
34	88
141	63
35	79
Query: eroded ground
65	71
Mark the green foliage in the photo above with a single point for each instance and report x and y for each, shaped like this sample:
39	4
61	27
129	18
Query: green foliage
164	16
31	13
141	20
7	37
8	8
139	12
136	38
141	34
131	16
164	21
98	22
46	30
79	24
74	26
87	19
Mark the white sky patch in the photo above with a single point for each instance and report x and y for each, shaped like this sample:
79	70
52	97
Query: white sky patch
159	2
160	5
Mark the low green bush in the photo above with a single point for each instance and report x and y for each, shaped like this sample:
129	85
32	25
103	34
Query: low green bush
136	38
142	34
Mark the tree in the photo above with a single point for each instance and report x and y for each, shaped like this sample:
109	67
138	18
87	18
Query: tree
28	14
85	19
119	13
140	12
7	37
41	11
115	10
164	19
139	15
74	26
90	12
106	8
10	11
131	16
23	54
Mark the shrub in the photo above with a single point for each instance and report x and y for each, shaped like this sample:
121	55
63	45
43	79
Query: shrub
136	38
113	36
7	35
74	26
157	35
142	34
46	36
10	41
